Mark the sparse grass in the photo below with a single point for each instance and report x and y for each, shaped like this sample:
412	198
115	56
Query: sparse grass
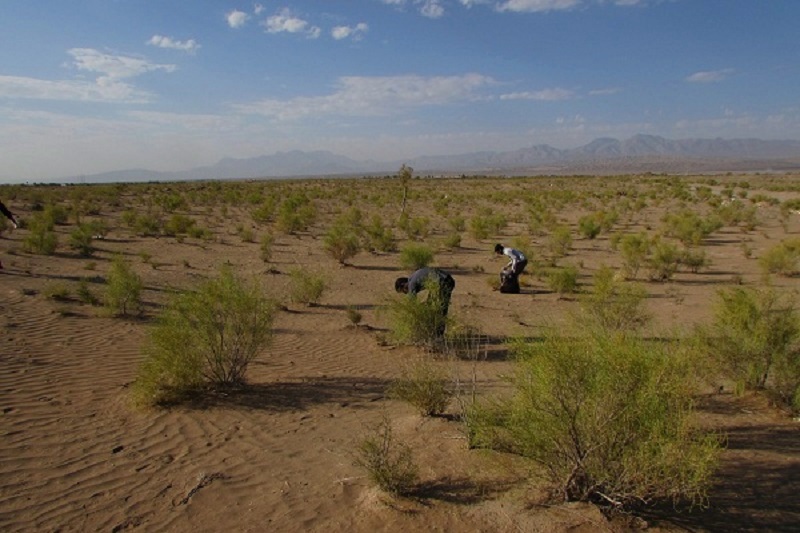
389	463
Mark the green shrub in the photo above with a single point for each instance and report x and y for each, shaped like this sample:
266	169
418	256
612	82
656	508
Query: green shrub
559	242
265	247
389	463
379	237
634	249
608	416
694	259
615	305
204	337
296	213
178	225
782	258
342	242
589	226
414	256
754	337
563	280
81	240
663	261
425	386
452	241
306	287
41	239
123	288
417	321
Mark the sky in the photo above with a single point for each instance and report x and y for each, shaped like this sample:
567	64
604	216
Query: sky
91	86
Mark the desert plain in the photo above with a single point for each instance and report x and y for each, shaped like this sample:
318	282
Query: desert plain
278	454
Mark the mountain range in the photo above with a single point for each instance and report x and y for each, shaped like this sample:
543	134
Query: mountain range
640	153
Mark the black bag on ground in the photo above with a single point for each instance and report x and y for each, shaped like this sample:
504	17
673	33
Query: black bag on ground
509	283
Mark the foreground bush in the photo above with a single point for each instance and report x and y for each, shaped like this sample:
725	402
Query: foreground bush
205	337
755	337
607	416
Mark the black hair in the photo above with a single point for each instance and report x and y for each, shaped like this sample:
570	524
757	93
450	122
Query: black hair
498	248
401	284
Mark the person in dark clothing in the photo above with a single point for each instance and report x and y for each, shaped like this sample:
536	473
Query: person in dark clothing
10	216
421	280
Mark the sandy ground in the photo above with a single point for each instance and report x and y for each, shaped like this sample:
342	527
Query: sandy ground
279	455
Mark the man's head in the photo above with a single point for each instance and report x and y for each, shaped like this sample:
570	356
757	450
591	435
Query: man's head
401	285
498	248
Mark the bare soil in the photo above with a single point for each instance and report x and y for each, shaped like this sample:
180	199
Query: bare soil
278	454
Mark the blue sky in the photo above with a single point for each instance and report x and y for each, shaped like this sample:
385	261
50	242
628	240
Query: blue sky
89	86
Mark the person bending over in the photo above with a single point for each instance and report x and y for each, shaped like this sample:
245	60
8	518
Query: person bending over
518	260
10	216
417	282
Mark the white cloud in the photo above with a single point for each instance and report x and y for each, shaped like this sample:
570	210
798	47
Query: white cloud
103	90
604	92
258	9
236	19
710	76
113	67
106	87
161	41
285	21
343	32
549	95
432	9
376	96
536	6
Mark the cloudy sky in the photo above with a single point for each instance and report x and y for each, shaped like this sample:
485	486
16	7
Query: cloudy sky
89	86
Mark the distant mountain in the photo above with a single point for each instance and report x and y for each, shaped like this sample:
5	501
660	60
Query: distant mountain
636	154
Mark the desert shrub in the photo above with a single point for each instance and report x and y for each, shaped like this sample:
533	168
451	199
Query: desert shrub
41	238
416	228
754	337
296	213
123	288
342	242
563	280
306	286
663	261
178	225
425	386
613	304
782	258
265	247
634	249
486	224
389	463
689	227
147	225
559	242
57	291
589	227
414	256
607	416
85	294
457	223
694	259
417	321
265	212
81	238
55	214
452	241
204	337
379	237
